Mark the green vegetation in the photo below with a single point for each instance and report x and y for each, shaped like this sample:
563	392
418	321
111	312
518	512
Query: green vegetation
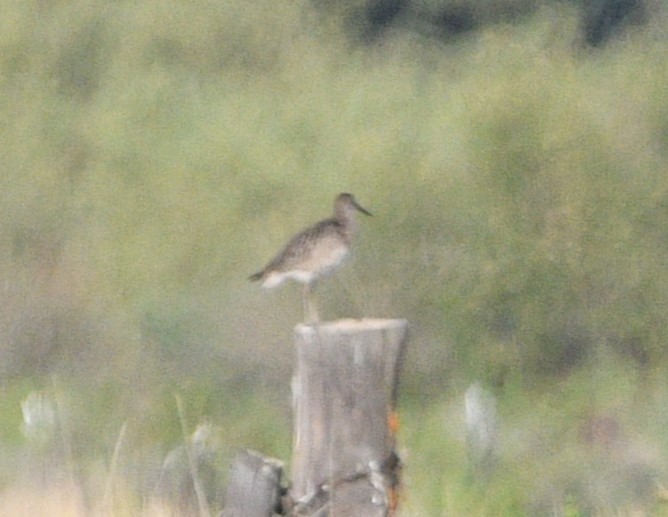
157	153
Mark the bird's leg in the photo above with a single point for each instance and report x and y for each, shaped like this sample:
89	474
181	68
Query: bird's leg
310	309
305	294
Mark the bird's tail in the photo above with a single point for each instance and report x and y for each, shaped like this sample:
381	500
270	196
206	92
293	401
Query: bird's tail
256	276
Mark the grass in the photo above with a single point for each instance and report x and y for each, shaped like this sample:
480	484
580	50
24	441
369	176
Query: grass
549	459
156	154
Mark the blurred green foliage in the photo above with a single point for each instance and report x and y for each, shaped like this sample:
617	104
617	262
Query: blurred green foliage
156	153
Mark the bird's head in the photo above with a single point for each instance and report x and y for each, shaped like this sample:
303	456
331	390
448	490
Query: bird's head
345	203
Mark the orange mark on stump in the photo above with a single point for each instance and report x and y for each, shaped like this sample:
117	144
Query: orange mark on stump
393	421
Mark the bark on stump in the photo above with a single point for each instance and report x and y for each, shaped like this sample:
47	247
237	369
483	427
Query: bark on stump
254	487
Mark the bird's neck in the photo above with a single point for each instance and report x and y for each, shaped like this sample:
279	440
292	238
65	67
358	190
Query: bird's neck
347	223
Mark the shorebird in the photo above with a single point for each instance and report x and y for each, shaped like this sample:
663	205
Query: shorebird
314	252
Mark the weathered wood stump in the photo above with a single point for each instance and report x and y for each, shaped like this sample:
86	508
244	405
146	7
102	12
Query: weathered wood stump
254	487
344	391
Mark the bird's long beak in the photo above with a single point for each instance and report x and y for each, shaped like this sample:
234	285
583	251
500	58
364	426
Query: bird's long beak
361	208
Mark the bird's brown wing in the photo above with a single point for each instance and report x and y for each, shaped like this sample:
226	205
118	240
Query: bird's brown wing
299	249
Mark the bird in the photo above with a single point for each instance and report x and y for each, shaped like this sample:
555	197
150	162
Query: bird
315	252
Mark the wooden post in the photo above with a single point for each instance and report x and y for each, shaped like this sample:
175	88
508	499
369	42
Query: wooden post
344	393
254	486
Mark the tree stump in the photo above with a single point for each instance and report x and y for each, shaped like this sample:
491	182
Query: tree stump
344	393
254	486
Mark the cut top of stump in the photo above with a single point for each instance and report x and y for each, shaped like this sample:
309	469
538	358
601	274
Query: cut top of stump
352	326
